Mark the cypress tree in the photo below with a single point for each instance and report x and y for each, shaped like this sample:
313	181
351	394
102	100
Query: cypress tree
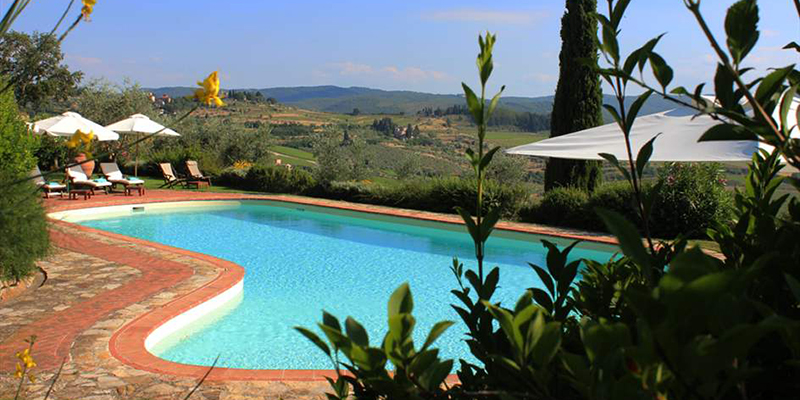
578	102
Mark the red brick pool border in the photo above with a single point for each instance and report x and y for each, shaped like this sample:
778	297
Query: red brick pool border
127	344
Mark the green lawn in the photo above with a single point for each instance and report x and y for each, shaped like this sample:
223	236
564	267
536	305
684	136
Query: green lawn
296	153
155	183
289	155
508	139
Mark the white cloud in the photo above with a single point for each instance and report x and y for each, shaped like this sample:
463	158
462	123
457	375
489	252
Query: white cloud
485	16
350	68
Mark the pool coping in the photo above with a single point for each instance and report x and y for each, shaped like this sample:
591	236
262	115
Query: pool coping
128	343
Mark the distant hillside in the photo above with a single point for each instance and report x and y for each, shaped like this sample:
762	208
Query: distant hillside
342	100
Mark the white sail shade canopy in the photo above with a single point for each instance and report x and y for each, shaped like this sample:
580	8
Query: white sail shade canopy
67	123
678	140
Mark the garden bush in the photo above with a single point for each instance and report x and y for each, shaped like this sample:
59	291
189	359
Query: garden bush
23	227
614	196
275	179
692	197
441	195
563	206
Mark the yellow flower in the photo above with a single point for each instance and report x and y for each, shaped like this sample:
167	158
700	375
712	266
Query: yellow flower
32	378
241	164
80	138
19	372
209	91
22	355
88	5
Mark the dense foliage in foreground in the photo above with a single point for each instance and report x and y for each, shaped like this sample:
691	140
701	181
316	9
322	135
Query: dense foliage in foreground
23	228
661	322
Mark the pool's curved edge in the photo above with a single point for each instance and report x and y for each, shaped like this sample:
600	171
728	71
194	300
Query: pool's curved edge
129	343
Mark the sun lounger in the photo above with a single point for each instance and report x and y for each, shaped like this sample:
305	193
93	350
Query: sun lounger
78	179
170	177
115	176
48	188
195	175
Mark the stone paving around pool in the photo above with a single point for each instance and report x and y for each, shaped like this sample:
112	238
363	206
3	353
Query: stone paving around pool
98	283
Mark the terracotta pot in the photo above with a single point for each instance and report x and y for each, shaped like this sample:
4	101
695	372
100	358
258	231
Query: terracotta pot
88	167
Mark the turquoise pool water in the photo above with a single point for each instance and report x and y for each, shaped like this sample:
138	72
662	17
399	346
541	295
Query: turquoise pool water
301	260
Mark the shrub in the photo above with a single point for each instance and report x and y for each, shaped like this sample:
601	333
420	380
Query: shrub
274	179
23	225
562	206
51	152
348	191
441	195
445	194
614	196
233	177
692	198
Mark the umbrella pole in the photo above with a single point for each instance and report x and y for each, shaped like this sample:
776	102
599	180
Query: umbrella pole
136	165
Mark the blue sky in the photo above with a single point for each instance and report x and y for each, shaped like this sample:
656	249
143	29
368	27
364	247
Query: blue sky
410	45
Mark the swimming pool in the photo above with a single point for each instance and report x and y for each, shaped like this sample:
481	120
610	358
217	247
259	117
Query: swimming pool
302	259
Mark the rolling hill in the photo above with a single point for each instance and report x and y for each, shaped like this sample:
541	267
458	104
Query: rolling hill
342	100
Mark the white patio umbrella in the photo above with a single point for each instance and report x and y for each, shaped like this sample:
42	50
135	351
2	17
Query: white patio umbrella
67	123
140	124
678	140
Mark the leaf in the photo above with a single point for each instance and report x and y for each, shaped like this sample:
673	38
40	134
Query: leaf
470	223
548	345
542	298
741	26
610	42
723	87
433	377
566	279
727	132
614	114
488	223
633	112
786	105
772	83
487	158
792	45
423	360
490	285
438	329
401	301
331	321
618	12
661	70
644	155
494	102
401	326
641	55
615	162
474	106
314	339
356	332
794	285
629	240
555	258
544	276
